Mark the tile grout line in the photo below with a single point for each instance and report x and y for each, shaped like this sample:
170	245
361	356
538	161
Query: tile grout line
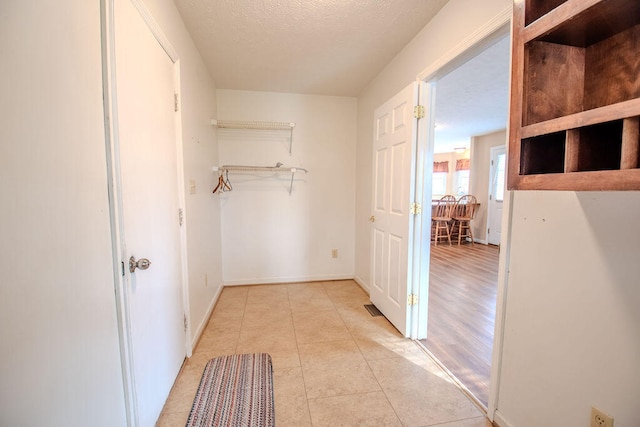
370	369
363	328
165	411
244	313
295	336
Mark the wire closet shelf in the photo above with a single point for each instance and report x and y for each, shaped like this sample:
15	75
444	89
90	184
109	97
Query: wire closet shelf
258	125
223	172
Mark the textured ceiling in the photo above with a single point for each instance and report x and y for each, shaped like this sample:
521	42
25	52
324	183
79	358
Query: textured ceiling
328	47
473	99
335	47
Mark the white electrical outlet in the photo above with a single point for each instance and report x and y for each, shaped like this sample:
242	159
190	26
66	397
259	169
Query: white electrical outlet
334	253
600	419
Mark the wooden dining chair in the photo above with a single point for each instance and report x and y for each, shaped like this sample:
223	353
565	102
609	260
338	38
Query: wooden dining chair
441	218
463	212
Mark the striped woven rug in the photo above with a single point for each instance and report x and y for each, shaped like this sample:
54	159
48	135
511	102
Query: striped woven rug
235	391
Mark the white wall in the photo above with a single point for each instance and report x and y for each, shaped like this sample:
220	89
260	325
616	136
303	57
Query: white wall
572	330
479	182
200	150
59	357
572	334
267	234
457	20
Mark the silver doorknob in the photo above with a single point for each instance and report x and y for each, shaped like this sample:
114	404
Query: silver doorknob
142	264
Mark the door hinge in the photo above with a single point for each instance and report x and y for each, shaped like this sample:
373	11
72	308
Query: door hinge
416	208
122	265
418	112
175	102
413	299
186	322
488	230
180	216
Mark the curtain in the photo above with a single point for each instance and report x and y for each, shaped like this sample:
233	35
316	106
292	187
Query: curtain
462	165
440	166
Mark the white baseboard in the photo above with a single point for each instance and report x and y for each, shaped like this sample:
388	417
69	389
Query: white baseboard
362	284
274	280
205	319
499	420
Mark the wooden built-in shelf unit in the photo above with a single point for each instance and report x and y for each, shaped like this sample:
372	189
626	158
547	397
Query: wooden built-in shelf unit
575	95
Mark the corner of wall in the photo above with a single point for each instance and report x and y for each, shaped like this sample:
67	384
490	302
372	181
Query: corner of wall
195	336
499	420
362	284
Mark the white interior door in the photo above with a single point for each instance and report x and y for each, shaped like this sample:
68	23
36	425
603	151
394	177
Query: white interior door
393	183
145	81
496	194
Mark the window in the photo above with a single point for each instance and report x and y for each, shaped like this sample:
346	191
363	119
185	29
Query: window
462	182
439	184
498	178
439	179
462	177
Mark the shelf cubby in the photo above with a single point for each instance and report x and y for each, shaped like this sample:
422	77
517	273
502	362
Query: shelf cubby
575	95
543	154
598	147
630	148
537	9
562	79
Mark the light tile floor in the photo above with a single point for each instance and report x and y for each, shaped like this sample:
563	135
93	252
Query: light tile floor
334	364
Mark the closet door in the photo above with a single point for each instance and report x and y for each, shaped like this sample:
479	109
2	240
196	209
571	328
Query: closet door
145	78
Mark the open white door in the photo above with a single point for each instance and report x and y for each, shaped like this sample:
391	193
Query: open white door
496	194
150	229
393	184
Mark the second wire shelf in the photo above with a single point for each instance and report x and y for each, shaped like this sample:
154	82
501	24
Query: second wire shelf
259	125
225	169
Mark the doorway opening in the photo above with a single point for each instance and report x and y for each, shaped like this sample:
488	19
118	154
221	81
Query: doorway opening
470	118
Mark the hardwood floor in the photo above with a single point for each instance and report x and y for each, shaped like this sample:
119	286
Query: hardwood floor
463	284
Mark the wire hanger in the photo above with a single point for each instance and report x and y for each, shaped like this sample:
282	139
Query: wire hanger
223	183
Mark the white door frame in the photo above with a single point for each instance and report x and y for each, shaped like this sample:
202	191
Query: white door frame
110	105
468	48
422	223
490	210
